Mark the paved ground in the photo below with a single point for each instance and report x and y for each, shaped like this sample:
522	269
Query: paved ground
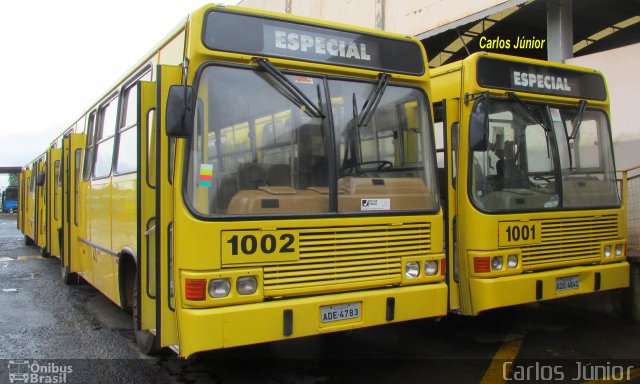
75	334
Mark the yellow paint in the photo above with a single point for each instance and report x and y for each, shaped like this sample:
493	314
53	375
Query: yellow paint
507	352
29	257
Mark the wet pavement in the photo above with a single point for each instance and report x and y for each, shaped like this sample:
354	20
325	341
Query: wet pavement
74	334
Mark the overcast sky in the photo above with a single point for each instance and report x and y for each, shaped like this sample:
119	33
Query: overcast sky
58	57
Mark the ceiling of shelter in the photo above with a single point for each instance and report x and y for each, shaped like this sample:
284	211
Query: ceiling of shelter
598	25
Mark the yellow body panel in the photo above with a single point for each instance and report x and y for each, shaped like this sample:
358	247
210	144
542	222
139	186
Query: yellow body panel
205	329
521	289
99	219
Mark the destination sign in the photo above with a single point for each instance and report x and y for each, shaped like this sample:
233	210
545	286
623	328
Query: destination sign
234	32
518	76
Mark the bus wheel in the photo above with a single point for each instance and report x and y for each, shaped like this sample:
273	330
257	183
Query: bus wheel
145	340
69	278
27	240
44	253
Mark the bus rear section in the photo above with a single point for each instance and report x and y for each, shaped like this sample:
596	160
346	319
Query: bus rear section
533	207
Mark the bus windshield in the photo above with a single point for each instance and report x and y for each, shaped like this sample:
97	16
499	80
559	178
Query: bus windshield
525	166
256	150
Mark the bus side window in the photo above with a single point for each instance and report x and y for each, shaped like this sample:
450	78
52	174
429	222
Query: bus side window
88	152
127	151
104	138
438	128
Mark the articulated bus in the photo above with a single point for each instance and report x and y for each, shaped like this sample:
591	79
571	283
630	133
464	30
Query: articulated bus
256	177
532	206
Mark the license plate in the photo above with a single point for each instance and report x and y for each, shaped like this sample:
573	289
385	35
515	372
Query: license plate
330	313
567	283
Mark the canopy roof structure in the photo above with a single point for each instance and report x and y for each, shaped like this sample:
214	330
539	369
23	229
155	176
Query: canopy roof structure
595	25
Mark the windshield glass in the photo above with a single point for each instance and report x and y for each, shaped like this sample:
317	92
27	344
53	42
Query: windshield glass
586	160
256	150
525	166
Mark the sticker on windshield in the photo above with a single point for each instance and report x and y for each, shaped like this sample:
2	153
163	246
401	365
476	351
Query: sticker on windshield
303	80
205	178
555	115
375	204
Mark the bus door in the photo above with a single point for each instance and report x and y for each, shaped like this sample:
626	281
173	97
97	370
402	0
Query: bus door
156	214
451	124
42	200
54	195
146	196
70	260
39	204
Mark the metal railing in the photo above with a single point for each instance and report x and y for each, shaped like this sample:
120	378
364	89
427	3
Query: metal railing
631	197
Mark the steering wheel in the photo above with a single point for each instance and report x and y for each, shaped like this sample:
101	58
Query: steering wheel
383	164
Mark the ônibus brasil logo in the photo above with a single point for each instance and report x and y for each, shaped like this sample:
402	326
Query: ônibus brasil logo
25	371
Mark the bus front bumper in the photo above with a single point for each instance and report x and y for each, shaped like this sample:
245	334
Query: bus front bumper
216	328
537	286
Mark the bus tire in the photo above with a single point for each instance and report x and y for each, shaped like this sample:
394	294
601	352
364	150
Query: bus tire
28	240
145	340
44	253
69	278
633	295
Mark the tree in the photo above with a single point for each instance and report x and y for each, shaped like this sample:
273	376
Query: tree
14	179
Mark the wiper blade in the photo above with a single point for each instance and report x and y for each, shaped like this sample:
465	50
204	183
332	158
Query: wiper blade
374	98
518	100
577	119
309	107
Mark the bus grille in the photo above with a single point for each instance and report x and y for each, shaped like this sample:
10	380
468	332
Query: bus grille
347	257
570	241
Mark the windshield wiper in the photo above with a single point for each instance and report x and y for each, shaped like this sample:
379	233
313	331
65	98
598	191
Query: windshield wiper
309	107
518	100
350	149
374	98
577	119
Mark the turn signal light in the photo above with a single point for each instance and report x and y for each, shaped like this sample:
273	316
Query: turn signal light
481	264
195	289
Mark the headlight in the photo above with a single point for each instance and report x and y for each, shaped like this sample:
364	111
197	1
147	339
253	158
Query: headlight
496	263
246	285
219	288
607	251
412	270
512	261
430	267
618	250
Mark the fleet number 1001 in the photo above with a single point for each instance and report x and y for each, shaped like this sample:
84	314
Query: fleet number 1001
521	232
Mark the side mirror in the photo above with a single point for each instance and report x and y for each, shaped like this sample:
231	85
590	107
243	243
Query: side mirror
179	113
41	178
479	127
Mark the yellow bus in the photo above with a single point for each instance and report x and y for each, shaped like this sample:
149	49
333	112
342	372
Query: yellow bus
533	210
257	177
